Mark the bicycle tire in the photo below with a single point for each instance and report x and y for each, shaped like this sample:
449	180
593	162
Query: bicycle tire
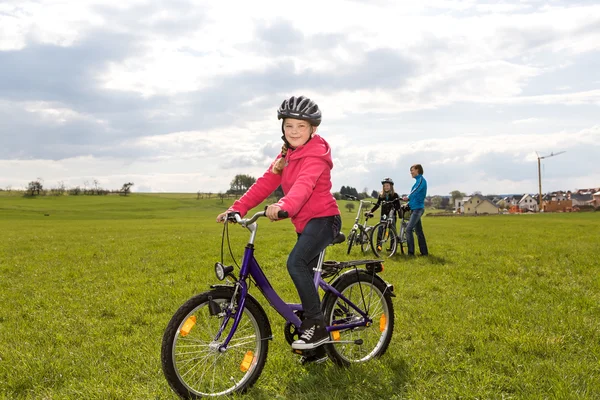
369	293
387	245
191	362
365	241
402	237
351	238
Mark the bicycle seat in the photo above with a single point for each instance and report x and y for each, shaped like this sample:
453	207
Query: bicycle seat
340	238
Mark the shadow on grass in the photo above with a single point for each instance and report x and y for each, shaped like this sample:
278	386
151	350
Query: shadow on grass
429	259
383	378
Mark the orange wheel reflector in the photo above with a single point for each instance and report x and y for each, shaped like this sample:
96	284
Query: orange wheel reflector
335	335
247	361
382	322
188	325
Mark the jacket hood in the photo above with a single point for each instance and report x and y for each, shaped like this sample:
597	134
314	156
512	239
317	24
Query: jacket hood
315	147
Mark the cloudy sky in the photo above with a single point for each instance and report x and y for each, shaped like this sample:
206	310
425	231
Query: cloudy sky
180	96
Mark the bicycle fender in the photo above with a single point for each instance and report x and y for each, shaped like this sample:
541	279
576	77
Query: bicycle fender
251	299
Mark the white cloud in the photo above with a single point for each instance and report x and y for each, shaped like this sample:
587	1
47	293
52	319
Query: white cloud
526	121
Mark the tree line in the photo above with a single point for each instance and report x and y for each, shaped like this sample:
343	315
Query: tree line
36	188
241	183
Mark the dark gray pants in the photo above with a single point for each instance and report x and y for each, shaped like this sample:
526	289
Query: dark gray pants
317	235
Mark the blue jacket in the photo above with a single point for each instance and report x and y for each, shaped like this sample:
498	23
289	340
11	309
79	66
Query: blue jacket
416	198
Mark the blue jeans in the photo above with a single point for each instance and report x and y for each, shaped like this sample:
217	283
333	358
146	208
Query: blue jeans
414	224
317	235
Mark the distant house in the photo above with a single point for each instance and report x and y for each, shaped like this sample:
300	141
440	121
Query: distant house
581	199
597	199
512	201
479	205
528	203
558	196
459	204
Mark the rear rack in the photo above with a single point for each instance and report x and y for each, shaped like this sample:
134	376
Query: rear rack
331	268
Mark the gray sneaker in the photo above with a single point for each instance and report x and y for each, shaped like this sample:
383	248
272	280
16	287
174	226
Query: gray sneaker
314	334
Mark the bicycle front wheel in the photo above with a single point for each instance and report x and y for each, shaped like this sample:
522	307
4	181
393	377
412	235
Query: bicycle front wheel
191	360
365	242
351	238
370	294
384	240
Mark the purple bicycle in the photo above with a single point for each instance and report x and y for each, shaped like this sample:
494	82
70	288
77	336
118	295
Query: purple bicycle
217	342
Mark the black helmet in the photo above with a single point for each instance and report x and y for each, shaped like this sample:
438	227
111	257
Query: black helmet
300	108
387	180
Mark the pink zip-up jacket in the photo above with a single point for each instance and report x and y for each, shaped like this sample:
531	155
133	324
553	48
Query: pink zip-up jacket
306	183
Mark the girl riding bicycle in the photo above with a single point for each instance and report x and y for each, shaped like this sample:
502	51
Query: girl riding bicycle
303	169
388	200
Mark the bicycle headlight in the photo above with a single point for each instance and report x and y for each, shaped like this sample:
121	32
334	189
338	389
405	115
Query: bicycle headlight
221	271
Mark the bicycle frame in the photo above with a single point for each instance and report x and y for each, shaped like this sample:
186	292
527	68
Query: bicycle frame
359	213
403	225
250	267
358	227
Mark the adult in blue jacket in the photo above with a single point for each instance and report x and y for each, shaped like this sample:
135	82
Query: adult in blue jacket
416	202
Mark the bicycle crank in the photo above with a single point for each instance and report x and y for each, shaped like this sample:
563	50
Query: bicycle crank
357	342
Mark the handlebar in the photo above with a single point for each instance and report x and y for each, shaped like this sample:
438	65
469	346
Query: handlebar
235	217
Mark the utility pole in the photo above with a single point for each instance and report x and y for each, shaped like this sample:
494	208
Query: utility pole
540	174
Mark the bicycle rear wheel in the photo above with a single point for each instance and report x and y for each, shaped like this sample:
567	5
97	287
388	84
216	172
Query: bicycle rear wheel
402	237
383	240
370	295
191	360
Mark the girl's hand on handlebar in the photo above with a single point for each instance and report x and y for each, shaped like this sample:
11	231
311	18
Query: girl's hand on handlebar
221	217
272	212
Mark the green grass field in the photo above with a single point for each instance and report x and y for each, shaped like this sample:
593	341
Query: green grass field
506	307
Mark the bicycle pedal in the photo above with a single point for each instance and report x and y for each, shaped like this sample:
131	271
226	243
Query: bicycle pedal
313	360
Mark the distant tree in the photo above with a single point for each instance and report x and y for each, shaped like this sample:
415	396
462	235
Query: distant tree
445	204
337	195
502	204
278	193
75	191
374	194
350	206
456	195
198	195
436	202
221	196
59	190
427	202
348	191
34	188
241	183
126	188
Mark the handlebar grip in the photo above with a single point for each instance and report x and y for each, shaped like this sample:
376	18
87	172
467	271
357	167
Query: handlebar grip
232	216
282	214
